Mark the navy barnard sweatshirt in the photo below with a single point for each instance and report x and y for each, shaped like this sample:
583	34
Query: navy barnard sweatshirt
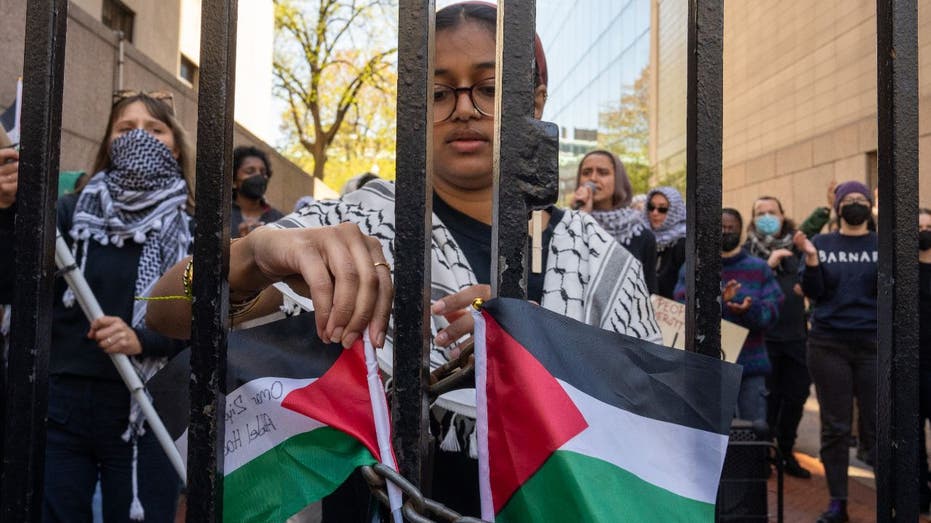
843	288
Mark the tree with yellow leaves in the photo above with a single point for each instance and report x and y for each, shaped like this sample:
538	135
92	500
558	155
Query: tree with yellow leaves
338	81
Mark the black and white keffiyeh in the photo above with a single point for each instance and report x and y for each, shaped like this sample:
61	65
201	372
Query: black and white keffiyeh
589	276
622	224
141	198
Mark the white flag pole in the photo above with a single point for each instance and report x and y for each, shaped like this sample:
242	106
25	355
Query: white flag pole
382	425
75	279
481	409
15	132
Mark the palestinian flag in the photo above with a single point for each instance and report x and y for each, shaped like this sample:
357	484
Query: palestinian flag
580	424
298	417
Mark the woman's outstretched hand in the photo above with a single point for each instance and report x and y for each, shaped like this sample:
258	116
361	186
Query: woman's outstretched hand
345	271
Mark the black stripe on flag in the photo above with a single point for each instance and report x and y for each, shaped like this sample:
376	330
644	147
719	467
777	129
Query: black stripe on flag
287	348
646	379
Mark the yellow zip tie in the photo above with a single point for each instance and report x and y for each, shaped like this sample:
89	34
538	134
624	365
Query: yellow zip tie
162	298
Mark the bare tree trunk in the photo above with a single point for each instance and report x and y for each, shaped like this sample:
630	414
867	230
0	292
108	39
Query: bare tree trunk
319	153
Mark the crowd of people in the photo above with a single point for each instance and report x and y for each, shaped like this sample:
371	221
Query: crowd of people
808	298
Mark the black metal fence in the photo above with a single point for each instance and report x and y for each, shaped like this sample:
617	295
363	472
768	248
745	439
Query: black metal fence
24	425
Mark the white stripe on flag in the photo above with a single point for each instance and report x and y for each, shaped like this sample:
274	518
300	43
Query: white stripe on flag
256	422
677	458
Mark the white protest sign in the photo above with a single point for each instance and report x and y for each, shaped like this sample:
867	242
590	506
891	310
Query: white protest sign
671	318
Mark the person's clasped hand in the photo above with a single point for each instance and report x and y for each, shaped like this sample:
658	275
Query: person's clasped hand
114	336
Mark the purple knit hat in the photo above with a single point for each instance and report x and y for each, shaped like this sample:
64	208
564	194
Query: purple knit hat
846	188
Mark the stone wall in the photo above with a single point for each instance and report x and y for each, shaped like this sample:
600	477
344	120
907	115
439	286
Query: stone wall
799	97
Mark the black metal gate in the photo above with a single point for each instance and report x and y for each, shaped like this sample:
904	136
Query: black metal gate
26	393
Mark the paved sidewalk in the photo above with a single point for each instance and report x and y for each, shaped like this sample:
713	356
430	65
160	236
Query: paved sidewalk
805	499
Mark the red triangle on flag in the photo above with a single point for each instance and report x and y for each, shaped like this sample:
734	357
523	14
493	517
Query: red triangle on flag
530	416
340	398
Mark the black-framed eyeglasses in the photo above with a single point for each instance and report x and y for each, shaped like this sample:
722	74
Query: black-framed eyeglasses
445	98
657	208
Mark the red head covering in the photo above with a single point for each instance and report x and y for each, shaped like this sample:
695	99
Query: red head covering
538	54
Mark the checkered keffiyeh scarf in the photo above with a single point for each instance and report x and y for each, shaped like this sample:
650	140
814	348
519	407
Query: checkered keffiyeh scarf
140	198
673	228
623	224
588	277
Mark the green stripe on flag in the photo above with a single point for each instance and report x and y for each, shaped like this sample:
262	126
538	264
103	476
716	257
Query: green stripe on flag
302	469
574	487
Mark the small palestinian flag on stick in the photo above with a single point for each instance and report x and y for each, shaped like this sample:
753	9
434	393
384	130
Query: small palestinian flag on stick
299	417
576	423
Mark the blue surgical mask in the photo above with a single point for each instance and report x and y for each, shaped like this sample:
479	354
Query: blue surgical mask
767	224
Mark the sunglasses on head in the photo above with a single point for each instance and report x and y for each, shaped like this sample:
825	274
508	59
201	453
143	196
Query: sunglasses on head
166	97
660	209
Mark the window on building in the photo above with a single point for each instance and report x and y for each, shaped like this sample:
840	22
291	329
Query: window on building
188	71
118	17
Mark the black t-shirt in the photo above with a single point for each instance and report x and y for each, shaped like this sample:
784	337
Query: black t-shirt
474	238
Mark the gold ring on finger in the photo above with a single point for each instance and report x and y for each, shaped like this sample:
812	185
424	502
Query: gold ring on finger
385	264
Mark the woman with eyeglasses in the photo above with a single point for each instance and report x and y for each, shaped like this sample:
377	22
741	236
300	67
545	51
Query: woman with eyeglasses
604	191
340	252
128	225
665	214
839	278
251	173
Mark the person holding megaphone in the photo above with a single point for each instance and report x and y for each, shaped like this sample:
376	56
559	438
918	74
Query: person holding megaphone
604	191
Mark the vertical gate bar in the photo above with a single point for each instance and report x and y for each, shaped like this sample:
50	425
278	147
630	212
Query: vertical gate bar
514	81
413	216
897	379
210	308
27	386
703	177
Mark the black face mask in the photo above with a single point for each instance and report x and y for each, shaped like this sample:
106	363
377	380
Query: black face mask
729	241
924	240
855	213
253	187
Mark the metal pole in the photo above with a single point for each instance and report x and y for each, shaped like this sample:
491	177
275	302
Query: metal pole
897	379
211	260
27	387
514	103
526	166
91	307
413	216
703	177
